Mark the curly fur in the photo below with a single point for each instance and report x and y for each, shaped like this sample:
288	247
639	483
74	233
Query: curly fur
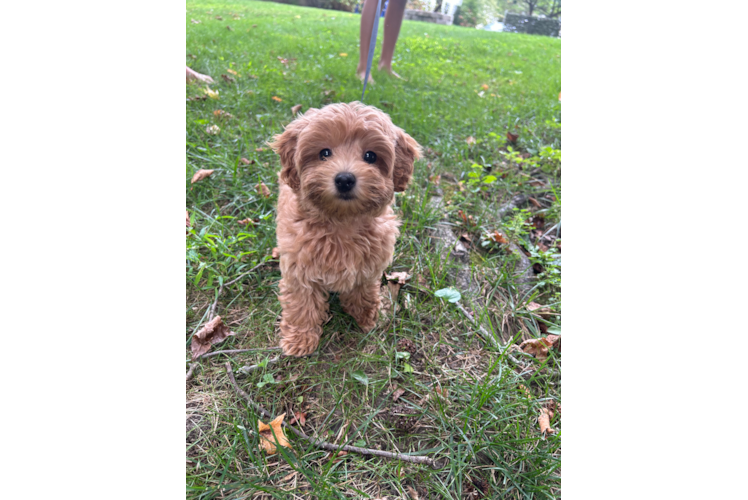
327	243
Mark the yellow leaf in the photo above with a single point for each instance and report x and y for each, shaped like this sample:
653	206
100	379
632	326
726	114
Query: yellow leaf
268	442
277	99
213	94
343	54
232	71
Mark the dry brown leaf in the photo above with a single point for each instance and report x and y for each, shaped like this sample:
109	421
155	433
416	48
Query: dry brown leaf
470	140
200	175
399	277
262	189
295	109
299	417
542	311
545	421
276	98
229	28
412	492
232	71
442	392
435	179
394	290
219	18
288	477
396	395
246	161
247	221
212	333
275	254
484	86
259	150
497	237
195	21
512	137
539	347
535	202
267	440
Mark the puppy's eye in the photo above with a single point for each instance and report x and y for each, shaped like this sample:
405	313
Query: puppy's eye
324	154
370	157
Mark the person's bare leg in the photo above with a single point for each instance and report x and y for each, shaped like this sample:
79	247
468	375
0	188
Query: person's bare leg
367	23
392	22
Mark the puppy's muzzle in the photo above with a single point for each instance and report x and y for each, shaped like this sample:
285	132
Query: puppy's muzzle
344	182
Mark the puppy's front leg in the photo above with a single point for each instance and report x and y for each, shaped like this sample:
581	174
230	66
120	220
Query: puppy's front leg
363	304
304	310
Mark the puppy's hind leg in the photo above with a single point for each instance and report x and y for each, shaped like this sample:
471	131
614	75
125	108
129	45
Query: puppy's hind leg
363	304
304	310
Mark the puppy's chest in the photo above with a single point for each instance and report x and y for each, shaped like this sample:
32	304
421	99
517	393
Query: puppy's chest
340	259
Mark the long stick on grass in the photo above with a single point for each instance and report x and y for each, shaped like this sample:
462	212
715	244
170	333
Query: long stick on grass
416	459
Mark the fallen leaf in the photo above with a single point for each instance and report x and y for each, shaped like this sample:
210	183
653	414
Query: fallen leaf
195	21
229	28
462	214
535	202
435	179
268	442
287	478
219	113
228	79
262	189
484	86
295	109
399	277
232	71
343	54
299	417
413	493
470	140
213	130
254	25
394	290
212	333
246	161
545	422
538	310
259	150
396	395
247	221
512	137
540	347
213	94
276	98
219	18
497	237
200	175
275	254
442	392
466	239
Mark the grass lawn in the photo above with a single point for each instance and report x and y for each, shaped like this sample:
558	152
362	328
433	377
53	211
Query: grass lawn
463	400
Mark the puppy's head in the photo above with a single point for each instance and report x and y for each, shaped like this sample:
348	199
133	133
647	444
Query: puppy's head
346	159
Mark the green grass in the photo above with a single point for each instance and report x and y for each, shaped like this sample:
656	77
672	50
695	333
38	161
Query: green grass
487	425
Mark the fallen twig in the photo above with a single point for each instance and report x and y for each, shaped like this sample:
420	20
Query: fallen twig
236	351
250	368
191	370
417	459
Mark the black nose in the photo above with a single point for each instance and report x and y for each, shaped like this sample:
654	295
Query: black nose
345	181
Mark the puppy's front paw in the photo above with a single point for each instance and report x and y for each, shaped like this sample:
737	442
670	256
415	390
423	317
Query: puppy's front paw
295	342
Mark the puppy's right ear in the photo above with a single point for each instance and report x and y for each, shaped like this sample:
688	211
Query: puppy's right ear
285	145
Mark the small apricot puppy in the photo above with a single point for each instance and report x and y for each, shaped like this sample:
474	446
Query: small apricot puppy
340	168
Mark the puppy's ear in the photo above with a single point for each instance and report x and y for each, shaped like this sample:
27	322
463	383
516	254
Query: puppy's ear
407	151
285	145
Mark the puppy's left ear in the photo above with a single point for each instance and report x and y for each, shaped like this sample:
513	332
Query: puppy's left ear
285	145
407	151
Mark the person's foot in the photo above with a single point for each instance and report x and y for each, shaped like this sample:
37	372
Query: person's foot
388	69
361	74
195	76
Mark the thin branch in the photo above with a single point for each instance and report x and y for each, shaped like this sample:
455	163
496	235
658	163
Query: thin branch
236	351
417	459
191	370
246	369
